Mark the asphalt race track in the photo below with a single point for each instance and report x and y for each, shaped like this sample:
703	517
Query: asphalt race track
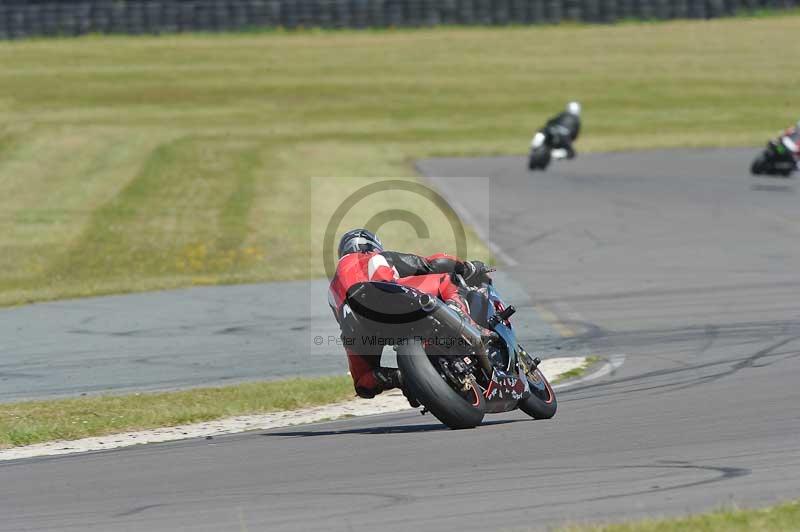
192	337
165	340
679	260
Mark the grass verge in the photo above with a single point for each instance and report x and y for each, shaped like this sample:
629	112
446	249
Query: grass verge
141	163
579	371
31	422
781	518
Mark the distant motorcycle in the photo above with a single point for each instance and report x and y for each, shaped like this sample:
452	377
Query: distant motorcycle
778	158
554	140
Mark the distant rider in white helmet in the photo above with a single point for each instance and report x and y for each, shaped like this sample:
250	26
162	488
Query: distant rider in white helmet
562	130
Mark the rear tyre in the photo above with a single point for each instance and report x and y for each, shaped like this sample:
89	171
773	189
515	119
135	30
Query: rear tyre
426	384
542	403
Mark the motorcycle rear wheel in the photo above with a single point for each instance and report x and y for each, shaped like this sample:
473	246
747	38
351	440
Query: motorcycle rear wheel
429	388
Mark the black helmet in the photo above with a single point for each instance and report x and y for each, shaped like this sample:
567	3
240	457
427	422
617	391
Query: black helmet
359	241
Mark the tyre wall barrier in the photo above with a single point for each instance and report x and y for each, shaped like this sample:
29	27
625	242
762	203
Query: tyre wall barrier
31	18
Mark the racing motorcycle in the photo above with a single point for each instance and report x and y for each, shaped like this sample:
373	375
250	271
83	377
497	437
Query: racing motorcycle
446	365
777	158
547	145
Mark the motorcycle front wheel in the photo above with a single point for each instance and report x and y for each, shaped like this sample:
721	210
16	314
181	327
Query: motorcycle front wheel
431	389
539	158
759	165
542	403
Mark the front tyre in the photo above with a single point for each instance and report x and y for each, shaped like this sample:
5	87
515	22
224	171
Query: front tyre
542	403
429	388
759	165
539	158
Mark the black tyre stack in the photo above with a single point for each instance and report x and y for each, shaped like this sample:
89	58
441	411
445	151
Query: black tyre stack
27	18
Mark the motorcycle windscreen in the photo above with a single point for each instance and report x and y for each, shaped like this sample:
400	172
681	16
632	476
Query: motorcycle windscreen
479	308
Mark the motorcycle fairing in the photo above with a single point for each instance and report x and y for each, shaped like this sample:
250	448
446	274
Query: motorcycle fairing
505	390
505	332
506	386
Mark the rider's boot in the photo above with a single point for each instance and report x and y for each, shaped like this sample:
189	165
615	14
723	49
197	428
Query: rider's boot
410	398
387	378
390	378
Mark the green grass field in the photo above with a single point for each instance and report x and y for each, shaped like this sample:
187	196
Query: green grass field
139	163
31	422
579	371
781	518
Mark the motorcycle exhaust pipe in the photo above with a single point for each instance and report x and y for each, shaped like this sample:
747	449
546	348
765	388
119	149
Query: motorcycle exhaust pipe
427	302
458	325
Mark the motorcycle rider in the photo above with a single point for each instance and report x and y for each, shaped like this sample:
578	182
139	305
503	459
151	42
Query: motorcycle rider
362	258
561	130
792	141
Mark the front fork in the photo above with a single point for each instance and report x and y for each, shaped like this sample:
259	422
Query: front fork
528	363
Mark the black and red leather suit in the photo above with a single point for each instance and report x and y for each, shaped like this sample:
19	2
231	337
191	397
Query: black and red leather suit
427	274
